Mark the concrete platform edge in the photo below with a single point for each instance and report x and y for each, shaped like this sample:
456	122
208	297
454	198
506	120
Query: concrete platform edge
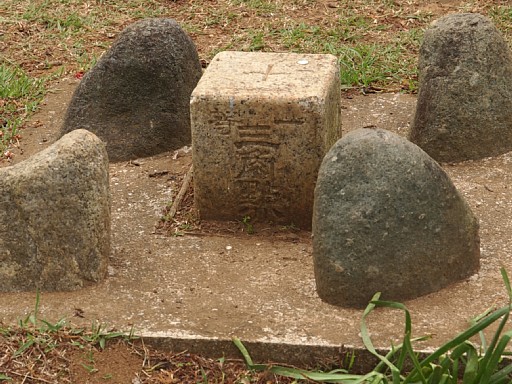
315	355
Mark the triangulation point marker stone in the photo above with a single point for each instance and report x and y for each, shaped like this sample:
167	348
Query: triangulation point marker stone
261	124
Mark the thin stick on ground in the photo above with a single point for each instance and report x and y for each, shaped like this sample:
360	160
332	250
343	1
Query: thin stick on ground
181	194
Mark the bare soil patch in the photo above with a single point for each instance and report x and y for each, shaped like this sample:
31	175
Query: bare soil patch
96	366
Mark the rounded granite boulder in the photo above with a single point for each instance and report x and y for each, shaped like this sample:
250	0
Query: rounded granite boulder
55	217
464	108
137	97
388	219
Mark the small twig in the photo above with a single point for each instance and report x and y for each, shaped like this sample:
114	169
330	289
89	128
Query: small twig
181	194
193	233
28	376
147	359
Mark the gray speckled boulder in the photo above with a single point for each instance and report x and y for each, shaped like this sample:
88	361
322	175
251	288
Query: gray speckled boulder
464	108
55	217
137	97
388	219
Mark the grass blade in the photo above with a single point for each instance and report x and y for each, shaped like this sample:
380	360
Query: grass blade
495	358
485	361
407	330
414	359
463	336
244	352
407	349
30	342
301	374
455	372
506	281
502	374
395	372
483	341
472	364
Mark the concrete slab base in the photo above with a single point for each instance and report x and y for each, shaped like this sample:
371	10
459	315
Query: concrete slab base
196	293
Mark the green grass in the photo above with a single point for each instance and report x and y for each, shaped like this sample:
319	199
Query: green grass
457	361
40	332
39	343
502	17
261	6
20	95
376	41
361	64
255	41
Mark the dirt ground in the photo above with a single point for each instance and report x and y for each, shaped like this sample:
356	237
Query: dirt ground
195	285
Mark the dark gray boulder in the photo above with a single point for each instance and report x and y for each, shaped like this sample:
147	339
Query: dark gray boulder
388	219
55	217
137	97
464	108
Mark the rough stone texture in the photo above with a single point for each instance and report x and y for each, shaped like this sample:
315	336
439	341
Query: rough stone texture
464	108
137	97
261	124
388	219
55	217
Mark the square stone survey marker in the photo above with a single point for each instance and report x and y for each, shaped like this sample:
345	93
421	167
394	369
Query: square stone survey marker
261	125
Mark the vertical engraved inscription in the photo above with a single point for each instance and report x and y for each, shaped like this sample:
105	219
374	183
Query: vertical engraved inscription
256	151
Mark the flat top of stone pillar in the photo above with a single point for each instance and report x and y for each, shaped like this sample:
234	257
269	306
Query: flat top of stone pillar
263	74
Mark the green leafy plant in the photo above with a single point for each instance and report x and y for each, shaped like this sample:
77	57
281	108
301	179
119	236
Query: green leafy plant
89	367
100	337
458	359
39	344
249	228
37	332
